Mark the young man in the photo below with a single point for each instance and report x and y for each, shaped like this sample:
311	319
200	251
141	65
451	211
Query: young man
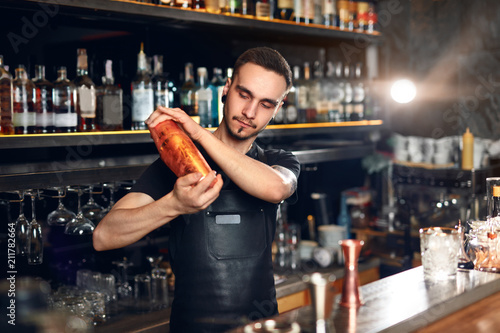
221	234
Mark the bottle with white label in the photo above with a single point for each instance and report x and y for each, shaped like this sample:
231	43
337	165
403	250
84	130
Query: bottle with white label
24	116
86	95
43	104
142	93
64	101
109	102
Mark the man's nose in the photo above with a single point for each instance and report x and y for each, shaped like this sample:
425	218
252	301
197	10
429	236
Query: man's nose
251	109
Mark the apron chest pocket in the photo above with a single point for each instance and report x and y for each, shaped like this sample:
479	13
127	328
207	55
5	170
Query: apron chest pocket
232	236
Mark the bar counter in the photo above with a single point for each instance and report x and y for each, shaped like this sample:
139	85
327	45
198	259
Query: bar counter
404	302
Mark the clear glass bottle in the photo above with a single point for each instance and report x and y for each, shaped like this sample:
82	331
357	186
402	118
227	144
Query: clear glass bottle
86	94
301	95
348	93
142	93
329	10
24	116
291	113
335	88
358	97
203	96
43	104
162	95
64	102
312	94
109	102
217	86
6	106
188	89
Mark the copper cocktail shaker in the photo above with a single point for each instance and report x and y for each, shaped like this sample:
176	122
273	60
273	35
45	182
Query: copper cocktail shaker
177	150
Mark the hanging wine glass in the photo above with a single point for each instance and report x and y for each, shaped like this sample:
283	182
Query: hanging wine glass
61	216
92	210
112	190
80	225
22	225
35	237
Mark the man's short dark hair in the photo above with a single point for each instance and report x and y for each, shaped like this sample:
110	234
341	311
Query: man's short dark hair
268	58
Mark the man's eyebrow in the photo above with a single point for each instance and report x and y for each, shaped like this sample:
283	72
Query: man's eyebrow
267	100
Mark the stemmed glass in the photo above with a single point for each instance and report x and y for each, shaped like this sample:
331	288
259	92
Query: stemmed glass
124	289
35	237
80	225
61	216
112	189
92	209
22	225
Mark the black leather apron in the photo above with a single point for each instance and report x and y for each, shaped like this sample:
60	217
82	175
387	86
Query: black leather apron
222	262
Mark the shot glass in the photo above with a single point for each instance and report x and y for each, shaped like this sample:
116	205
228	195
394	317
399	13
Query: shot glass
440	250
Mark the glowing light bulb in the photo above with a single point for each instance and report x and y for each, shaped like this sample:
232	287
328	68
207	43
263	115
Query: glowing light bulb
403	91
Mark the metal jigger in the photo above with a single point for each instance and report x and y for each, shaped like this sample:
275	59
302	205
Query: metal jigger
350	287
321	298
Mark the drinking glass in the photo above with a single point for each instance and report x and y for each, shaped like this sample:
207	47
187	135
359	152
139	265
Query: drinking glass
159	283
439	249
92	210
35	237
22	225
142	292
124	289
112	190
80	225
61	216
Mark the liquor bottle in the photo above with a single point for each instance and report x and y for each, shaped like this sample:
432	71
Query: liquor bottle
358	98
86	95
353	9
248	8
307	11
224	6
347	101
285	10
329	10
183	3
24	116
162	96
203	98
6	107
319	94
109	102
335	89
301	95
362	16
43	102
198	5
372	18
290	105
494	203
188	89
217	86
142	93
312	94
212	6
234	7
343	12
297	11
64	102
262	9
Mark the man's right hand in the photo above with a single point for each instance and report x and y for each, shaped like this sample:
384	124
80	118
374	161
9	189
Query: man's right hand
192	194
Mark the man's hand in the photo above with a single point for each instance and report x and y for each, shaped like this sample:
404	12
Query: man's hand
191	194
192	129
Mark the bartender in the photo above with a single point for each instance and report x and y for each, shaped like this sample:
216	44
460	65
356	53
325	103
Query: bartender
222	225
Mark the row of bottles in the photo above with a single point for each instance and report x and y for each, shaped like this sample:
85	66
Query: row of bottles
323	92
63	106
338	94
352	15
